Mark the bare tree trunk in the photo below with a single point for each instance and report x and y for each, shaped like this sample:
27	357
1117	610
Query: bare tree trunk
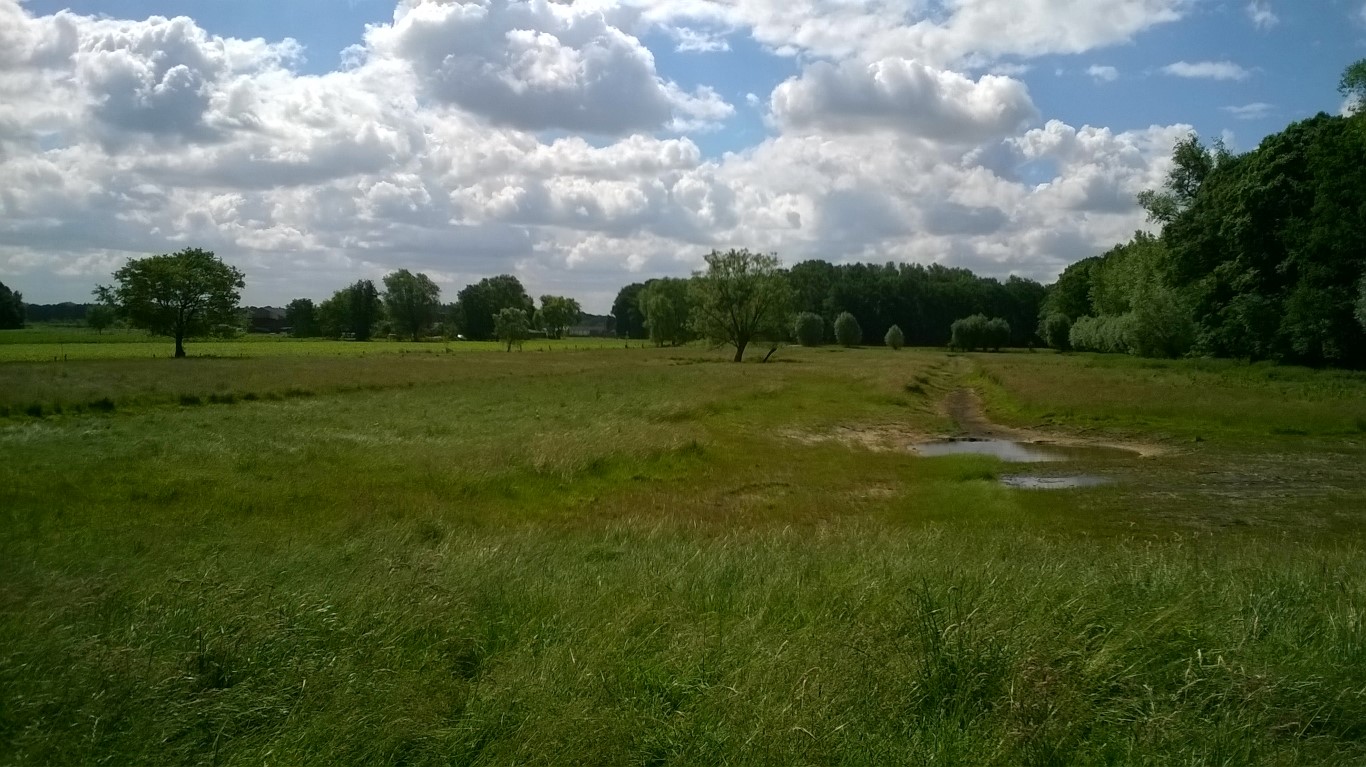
179	345
740	352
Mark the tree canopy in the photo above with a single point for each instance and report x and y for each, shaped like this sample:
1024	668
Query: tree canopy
99	317
352	311
184	294
511	326
302	317
739	298
666	307
478	304
411	301
557	313
1260	254
11	308
626	311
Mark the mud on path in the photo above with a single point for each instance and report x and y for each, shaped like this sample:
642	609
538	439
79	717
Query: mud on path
964	407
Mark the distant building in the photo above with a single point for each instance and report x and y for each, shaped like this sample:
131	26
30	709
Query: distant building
266	319
591	325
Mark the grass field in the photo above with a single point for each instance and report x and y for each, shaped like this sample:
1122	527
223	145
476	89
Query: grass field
56	343
654	556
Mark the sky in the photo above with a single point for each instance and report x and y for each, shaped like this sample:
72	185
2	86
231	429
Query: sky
585	145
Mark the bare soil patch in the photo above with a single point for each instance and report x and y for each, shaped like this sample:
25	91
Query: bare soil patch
964	407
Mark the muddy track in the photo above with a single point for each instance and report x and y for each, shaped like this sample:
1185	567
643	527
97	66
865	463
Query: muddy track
964	407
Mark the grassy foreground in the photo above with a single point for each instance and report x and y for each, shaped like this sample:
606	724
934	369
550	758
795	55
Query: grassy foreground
657	557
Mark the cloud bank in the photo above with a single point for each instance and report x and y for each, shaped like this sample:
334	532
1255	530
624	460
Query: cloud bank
470	139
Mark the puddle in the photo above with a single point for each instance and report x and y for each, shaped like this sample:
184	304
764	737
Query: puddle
1025	482
1012	451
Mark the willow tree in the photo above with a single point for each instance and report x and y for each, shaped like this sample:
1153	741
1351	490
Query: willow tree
740	298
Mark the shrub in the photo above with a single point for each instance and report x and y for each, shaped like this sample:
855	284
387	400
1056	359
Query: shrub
1055	329
978	332
997	333
894	338
1161	326
847	330
967	333
809	329
1109	334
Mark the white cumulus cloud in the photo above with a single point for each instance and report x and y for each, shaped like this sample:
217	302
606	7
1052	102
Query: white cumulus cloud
904	96
469	139
537	65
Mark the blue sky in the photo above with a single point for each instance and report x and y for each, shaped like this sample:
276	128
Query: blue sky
583	146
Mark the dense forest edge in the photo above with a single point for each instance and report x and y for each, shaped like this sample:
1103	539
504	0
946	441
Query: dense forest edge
1261	255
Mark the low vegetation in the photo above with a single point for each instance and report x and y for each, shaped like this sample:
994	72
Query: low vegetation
655	556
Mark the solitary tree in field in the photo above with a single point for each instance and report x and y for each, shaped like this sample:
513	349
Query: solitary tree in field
182	294
412	301
99	317
741	297
557	313
11	308
511	326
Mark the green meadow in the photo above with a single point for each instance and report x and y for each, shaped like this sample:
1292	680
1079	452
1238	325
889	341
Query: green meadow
296	552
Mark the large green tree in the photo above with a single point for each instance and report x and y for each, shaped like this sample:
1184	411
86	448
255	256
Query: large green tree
478	304
11	308
302	317
511	326
99	317
412	302
557	313
665	305
181	295
1352	86
630	321
352	311
739	298
1269	253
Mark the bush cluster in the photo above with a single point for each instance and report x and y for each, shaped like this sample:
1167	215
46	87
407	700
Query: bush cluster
979	332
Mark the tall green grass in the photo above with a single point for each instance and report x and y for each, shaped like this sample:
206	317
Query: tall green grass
657	557
1184	398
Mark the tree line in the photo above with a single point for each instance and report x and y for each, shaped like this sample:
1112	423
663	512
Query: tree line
1260	255
922	302
739	299
410	306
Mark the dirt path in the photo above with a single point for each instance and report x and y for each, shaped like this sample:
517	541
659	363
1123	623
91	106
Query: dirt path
964	407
